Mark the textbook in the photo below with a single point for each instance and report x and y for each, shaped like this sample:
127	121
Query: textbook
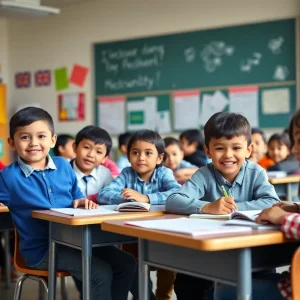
133	206
82	212
249	215
192	227
276	174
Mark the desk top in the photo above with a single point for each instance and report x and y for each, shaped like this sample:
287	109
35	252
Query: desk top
56	217
4	209
287	179
205	243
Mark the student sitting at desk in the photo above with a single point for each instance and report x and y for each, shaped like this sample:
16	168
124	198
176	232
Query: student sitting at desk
42	183
145	181
123	161
228	144
64	146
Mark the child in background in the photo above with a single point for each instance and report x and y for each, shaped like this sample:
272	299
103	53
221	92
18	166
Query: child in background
183	170
145	181
279	146
259	149
123	161
64	146
228	144
43	183
192	145
92	146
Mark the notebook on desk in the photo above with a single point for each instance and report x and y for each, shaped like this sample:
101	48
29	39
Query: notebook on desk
133	206
82	212
249	215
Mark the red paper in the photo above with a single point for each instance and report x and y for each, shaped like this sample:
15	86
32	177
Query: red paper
78	75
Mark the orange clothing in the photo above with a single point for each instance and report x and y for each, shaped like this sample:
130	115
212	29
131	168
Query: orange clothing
266	162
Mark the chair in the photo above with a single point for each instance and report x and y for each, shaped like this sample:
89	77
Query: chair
33	274
295	275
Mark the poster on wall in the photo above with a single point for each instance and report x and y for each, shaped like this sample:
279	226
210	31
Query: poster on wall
71	107
78	75
42	78
1	148
22	80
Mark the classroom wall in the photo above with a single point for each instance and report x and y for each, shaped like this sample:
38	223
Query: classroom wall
4	58
67	39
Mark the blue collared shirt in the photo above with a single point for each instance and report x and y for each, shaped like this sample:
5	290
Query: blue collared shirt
251	190
24	189
123	162
160	186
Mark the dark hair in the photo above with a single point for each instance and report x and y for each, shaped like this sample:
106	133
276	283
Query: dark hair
281	138
172	141
259	131
62	140
226	124
95	134
193	135
149	136
294	122
124	138
27	116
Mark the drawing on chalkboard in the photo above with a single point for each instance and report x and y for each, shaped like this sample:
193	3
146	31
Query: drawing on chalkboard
190	54
212	54
280	73
275	45
246	65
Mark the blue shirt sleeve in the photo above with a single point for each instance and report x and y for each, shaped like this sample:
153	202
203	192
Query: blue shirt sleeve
4	191
76	191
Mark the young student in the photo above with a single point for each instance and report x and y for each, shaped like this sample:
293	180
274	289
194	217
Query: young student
145	181
279	146
183	170
228	144
44	182
123	161
192	145
259	149
92	146
64	146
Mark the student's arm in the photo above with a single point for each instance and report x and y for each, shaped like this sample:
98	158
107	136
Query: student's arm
111	194
187	199
4	192
264	194
169	185
76	191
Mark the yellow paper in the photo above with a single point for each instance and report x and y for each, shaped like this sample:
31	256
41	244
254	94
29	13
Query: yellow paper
3	119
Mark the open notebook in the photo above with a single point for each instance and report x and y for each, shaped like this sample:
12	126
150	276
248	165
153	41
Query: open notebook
133	206
82	212
249	215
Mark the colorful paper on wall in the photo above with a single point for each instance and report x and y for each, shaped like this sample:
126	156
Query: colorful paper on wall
3	117
42	78
71	107
1	148
111	113
61	79
78	75
22	80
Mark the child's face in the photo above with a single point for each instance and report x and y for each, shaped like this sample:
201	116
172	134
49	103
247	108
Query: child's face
187	148
228	155
89	155
296	138
259	147
67	150
278	151
174	156
144	157
33	143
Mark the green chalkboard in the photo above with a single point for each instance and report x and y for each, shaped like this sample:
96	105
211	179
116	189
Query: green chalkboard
238	55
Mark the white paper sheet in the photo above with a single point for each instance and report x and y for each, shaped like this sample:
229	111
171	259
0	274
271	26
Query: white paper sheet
81	212
276	101
163	122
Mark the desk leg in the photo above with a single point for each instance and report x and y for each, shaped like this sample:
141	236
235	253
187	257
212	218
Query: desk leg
86	262
51	268
7	259
289	192
244	280
143	271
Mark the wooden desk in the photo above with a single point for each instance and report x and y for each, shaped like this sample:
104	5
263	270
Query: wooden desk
288	185
83	233
229	258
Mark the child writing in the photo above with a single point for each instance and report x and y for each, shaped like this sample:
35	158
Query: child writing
228	144
42	183
92	146
123	161
182	169
64	146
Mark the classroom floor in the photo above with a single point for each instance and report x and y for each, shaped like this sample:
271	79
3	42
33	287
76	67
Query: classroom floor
30	290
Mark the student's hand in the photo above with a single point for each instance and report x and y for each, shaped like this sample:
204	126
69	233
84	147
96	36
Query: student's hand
283	203
184	174
222	206
130	194
86	203
274	215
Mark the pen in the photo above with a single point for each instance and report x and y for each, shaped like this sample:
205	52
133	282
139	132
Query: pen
224	191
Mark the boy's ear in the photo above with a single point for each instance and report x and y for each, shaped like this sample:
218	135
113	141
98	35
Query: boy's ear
53	139
160	158
249	150
206	150
11	144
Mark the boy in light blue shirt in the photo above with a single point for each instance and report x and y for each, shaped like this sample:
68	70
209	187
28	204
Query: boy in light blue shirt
123	161
228	144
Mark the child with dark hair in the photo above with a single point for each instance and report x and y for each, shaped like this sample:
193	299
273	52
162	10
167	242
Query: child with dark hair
123	161
279	150
64	146
228	144
145	181
192	145
44	183
92	146
182	169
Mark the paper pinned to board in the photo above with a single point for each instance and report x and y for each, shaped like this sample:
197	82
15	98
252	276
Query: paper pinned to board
276	101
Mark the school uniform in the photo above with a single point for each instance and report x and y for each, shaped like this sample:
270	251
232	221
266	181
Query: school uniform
123	162
198	158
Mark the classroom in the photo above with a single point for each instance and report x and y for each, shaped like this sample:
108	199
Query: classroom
165	66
